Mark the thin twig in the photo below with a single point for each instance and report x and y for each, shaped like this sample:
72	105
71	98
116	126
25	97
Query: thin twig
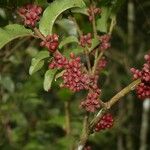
112	24
86	51
84	135
93	20
39	34
97	58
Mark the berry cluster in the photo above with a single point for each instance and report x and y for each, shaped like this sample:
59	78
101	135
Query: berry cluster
146	69
143	89
102	63
50	42
136	73
59	61
92	11
30	14
91	102
105	122
74	77
86	40
104	42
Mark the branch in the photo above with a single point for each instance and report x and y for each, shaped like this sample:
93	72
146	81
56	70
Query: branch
112	24
97	58
85	131
114	100
122	93
107	106
39	34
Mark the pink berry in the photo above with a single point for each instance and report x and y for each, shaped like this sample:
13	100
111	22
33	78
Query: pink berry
86	40
91	103
58	62
74	77
30	14
143	89
102	63
92	11
104	42
50	42
72	55
104	123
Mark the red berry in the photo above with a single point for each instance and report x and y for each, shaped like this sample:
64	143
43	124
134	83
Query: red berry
92	11
91	102
50	42
104	123
74	77
143	89
72	55
30	14
86	40
53	46
104	42
102	63
58	62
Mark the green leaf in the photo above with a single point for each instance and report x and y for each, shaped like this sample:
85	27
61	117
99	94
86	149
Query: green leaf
102	23
53	11
38	62
68	40
68	26
49	76
80	10
58	75
41	55
95	43
35	66
11	32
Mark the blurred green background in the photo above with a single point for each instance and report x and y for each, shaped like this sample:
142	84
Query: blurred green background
32	119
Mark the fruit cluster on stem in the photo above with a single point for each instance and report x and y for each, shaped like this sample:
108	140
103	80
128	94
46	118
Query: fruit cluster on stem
143	89
92	11
30	14
105	122
50	42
